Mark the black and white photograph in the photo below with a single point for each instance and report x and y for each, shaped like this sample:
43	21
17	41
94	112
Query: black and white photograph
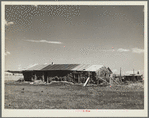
74	59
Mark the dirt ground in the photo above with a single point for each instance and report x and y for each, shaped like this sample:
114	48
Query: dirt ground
28	96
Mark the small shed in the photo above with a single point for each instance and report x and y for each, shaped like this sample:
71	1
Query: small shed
133	77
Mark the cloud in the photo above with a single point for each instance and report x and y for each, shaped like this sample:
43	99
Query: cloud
114	70
123	50
137	50
8	23
31	65
7	53
130	72
45	63
44	41
96	49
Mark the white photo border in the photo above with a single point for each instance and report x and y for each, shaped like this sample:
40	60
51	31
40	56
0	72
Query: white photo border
77	112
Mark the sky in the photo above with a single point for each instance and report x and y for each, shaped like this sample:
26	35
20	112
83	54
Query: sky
112	36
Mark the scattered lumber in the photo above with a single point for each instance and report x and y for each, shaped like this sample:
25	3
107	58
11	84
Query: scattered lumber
86	81
115	81
103	79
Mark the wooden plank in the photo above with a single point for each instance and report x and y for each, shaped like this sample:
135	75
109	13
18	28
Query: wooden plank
111	81
86	81
103	80
115	81
97	77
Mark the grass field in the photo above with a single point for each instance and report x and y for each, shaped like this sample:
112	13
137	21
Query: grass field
27	96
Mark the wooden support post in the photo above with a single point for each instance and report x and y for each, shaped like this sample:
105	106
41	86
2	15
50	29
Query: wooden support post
78	78
47	79
111	80
86	81
32	78
89	77
97	78
43	78
35	77
81	77
65	78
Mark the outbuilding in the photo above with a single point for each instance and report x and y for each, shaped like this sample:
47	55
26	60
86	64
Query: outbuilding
133	77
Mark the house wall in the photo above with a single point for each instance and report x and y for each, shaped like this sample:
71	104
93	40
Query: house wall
62	75
104	73
33	75
70	76
44	75
57	73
